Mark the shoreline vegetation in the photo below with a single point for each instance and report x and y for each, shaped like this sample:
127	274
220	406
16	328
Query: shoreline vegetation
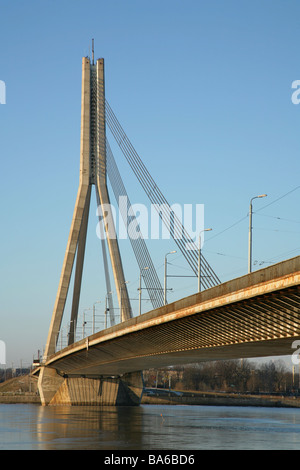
220	399
23	389
200	399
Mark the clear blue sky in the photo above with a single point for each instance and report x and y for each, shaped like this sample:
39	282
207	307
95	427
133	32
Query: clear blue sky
203	90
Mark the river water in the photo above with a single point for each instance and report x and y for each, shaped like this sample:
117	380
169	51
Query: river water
148	427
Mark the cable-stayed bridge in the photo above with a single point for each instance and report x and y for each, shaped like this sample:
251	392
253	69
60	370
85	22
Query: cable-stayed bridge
254	315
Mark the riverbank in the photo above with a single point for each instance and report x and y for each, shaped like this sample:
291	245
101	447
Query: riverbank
220	399
21	389
13	398
285	402
24	390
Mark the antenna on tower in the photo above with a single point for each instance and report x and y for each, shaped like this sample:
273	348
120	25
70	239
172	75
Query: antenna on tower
93	51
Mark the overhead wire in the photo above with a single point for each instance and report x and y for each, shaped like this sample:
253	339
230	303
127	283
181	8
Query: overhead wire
278	218
278	199
260	209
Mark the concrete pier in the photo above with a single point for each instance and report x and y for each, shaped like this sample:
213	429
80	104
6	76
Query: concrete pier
103	391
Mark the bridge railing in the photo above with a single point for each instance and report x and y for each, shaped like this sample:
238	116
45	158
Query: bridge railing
87	325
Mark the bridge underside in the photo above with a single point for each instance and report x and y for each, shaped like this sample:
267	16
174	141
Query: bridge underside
253	316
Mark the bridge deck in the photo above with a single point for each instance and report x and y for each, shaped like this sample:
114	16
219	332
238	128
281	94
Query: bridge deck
252	316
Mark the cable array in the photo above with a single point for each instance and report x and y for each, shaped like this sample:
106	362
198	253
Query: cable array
151	279
178	232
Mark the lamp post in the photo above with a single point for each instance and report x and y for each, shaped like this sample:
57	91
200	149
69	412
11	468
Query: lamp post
106	309
98	302
165	277
140	290
250	232
84	322
199	258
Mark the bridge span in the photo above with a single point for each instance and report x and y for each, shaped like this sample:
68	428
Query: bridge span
255	315
251	316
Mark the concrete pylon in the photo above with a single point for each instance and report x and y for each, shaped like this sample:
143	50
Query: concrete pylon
101	187
92	172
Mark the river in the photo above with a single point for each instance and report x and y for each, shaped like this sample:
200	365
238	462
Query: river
148	427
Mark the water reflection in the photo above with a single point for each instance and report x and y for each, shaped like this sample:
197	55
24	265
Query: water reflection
148	427
90	427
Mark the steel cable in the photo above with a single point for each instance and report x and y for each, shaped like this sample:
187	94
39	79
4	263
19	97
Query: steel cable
139	247
179	234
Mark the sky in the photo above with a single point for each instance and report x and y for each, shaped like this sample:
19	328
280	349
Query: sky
202	88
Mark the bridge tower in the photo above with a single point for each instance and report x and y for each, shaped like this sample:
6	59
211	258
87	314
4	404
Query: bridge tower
92	173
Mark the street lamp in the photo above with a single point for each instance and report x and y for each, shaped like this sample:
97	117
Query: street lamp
199	258
106	309
84	322
98	302
250	233
165	280
140	289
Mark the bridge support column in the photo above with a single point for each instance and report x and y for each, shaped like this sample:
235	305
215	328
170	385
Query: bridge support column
109	391
48	383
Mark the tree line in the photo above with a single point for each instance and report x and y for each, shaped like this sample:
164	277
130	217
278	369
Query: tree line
241	376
